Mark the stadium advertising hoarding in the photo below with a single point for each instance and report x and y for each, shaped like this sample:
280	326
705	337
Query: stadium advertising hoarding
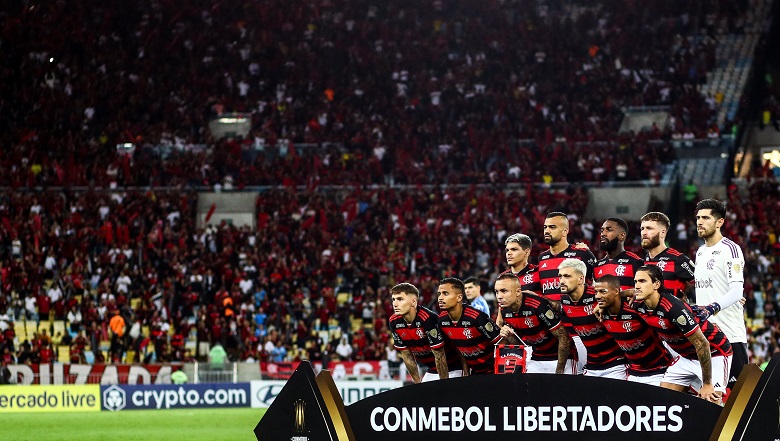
63	373
132	397
265	391
338	370
63	398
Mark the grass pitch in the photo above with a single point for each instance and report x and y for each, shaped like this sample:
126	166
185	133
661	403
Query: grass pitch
165	425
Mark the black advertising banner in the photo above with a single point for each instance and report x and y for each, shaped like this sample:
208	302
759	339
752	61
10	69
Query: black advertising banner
532	406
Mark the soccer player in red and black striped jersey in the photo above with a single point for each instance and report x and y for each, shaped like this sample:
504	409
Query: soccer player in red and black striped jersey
618	262
647	357
518	250
604	357
556	229
472	332
677	268
417	337
704	351
531	318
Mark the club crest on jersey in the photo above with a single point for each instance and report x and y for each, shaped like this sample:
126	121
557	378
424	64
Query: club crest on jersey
420	333
620	270
661	265
529	322
711	264
588	309
662	323
467	333
627	326
528	279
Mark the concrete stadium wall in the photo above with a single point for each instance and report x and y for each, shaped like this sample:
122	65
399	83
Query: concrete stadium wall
237	208
627	203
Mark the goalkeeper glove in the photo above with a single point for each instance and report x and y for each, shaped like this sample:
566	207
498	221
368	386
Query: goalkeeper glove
705	312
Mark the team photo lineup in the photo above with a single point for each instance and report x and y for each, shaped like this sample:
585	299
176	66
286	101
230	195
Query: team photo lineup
623	316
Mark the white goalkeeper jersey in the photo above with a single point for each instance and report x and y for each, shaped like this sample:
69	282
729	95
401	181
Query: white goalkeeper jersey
716	267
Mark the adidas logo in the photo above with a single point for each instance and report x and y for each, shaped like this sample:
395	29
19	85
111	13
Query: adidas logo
732	380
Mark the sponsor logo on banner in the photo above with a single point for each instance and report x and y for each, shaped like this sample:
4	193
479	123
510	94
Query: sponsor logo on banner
64	398
130	397
59	373
342	369
265	391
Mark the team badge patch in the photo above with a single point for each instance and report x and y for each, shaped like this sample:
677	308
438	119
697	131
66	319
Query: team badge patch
489	327
549	314
682	320
433	333
737	268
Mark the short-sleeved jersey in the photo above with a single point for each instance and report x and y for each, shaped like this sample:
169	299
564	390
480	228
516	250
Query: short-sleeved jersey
603	350
644	350
529	278
674	322
548	269
421	336
480	304
534	323
623	266
474	336
677	269
716	267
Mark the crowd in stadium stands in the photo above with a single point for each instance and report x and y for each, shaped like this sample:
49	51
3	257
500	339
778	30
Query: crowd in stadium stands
408	93
425	91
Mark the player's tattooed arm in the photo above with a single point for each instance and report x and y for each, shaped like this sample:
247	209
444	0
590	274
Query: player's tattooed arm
441	362
564	347
411	364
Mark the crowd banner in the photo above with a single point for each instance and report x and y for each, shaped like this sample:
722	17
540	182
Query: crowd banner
338	369
64	373
207	395
265	391
63	398
523	406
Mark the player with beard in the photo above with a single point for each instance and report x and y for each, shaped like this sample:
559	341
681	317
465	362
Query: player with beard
720	281
518	250
417	337
472	332
647	357
529	318
676	267
556	230
604	358
704	351
618	262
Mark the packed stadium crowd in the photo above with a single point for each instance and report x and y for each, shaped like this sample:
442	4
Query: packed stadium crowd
496	103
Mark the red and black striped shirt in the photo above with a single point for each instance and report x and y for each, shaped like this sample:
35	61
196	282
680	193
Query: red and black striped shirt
529	278
533	323
548	269
674	322
603	350
474	336
644	350
677	269
623	266
422	335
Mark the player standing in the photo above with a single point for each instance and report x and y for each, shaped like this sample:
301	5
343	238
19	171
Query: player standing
676	267
518	249
720	281
618	262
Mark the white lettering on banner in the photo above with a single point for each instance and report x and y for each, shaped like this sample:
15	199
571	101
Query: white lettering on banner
166	399
64	373
265	391
529	419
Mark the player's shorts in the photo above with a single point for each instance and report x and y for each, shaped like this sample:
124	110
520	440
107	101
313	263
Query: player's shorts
548	367
433	376
652	380
686	372
582	354
619	372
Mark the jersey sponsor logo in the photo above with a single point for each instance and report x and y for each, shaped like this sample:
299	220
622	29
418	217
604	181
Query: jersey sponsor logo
620	270
627	326
552	285
633	346
622	261
569	254
590	331
465	323
419	352
475	353
535	341
704	284
715	253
